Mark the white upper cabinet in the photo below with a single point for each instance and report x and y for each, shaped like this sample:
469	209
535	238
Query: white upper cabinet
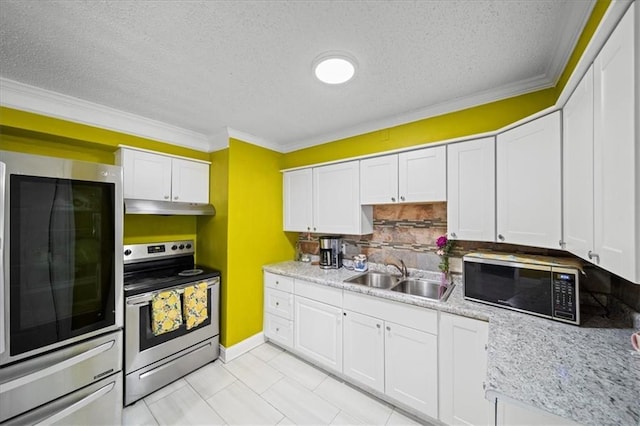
326	199
336	200
471	191
408	177
187	181
147	176
151	176
422	175
617	151
298	200
528	184
379	180
577	169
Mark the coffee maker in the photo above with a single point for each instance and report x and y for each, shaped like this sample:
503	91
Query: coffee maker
330	252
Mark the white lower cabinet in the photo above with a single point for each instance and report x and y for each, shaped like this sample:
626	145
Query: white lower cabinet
392	347
411	373
318	332
509	414
363	349
463	371
278	330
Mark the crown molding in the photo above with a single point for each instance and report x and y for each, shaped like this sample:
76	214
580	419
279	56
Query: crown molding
28	98
539	82
253	139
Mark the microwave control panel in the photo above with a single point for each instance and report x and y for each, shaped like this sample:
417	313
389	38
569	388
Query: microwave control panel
565	296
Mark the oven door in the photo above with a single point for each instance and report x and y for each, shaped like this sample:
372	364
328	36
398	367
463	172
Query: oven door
525	288
142	347
62	239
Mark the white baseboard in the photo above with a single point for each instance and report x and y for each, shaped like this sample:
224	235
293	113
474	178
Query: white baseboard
228	354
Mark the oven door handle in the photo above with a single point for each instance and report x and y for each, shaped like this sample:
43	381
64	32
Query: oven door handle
145	298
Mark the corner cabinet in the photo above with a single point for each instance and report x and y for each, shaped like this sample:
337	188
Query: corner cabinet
463	371
326	199
408	177
528	185
601	157
158	177
471	190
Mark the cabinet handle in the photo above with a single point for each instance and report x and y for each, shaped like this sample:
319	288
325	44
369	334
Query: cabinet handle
175	198
484	386
378	325
486	346
393	199
561	244
166	197
501	237
402	198
388	328
314	228
453	235
277	329
594	255
277	303
308	228
344	313
277	282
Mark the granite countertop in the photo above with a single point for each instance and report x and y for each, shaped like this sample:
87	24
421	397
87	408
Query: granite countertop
587	373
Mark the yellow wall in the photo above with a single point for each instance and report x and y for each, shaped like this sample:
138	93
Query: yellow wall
213	231
254	237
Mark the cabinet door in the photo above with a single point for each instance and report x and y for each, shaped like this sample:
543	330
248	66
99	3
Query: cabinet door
336	200
278	303
528	184
190	181
411	368
471	190
147	176
364	349
318	332
379	180
422	175
463	371
298	190
617	153
577	169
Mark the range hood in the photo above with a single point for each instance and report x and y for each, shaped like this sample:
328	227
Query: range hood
135	206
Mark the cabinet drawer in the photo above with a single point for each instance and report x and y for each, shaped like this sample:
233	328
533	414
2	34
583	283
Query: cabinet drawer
279	282
319	292
278	302
278	330
401	313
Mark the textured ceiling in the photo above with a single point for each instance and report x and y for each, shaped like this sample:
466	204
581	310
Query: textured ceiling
246	65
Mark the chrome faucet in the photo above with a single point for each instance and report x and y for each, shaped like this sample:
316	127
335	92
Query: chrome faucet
403	270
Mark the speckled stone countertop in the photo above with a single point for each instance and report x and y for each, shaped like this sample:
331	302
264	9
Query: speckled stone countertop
589	374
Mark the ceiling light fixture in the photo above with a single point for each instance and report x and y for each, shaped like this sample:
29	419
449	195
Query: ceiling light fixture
334	68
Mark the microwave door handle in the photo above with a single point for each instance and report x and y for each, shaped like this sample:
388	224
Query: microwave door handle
3	172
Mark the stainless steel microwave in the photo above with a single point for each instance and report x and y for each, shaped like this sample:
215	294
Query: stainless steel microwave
543	288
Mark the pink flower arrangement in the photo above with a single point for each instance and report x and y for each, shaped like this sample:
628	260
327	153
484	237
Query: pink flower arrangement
445	246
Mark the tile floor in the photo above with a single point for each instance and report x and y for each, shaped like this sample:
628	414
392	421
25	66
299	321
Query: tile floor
266	386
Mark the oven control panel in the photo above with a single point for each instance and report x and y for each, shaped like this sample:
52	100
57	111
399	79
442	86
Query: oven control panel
140	252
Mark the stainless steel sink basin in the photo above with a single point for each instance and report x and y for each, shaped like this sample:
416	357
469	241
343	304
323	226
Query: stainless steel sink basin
428	289
375	279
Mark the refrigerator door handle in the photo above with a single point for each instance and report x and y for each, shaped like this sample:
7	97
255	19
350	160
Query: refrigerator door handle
3	170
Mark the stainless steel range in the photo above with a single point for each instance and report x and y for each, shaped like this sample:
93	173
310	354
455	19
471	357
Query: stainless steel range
154	359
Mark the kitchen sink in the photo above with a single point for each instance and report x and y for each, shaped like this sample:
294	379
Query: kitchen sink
429	289
375	279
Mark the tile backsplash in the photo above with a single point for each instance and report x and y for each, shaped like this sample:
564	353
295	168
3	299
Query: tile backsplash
409	232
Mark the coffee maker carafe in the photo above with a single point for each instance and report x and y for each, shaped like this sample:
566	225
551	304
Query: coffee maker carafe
330	252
